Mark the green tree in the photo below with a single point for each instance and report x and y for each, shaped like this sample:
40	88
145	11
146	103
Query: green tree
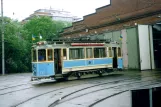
16	48
18	40
43	26
59	25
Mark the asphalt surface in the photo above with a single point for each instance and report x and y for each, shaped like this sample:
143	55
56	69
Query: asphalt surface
112	90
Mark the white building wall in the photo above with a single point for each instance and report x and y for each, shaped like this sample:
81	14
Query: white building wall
124	48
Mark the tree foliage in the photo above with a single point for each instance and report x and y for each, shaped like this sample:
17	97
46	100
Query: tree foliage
44	26
18	40
15	47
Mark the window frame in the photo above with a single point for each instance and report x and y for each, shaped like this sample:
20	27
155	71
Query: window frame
118	52
44	56
48	55
77	48
105	55
109	52
91	51
33	54
63	54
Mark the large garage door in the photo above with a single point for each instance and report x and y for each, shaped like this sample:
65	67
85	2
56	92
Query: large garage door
143	32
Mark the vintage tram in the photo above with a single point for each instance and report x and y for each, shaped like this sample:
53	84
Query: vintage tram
61	58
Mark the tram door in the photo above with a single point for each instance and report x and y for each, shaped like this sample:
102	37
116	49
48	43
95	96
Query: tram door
114	49
57	61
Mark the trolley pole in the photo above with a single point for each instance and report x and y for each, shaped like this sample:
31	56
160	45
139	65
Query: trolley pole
2	30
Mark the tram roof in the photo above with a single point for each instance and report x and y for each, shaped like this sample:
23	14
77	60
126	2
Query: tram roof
74	42
80	40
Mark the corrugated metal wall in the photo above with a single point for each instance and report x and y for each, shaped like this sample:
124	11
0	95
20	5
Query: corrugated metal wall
144	47
133	48
129	45
108	36
114	36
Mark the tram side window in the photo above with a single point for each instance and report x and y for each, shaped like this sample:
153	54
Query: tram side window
110	52
64	54
42	55
119	52
76	53
50	55
34	55
89	53
99	53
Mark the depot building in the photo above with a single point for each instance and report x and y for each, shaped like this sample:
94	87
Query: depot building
134	24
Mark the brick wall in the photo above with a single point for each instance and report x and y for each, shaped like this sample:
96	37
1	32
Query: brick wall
117	11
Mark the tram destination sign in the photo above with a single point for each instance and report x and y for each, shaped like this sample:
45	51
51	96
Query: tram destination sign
87	44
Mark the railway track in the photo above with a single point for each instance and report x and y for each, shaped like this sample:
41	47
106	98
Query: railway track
63	100
56	90
77	84
26	87
30	83
117	93
59	89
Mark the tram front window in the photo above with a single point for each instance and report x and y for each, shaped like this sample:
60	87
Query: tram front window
50	54
34	55
42	55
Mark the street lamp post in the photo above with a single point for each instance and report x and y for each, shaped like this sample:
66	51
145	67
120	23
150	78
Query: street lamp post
2	29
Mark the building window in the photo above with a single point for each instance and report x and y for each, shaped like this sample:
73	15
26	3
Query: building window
42	55
89	53
50	55
99	53
76	53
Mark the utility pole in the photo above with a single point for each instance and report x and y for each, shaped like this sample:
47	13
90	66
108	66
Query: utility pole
2	29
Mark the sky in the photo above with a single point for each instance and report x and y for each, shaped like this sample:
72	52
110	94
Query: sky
20	9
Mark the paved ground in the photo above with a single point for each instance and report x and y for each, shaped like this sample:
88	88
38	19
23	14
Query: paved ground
111	90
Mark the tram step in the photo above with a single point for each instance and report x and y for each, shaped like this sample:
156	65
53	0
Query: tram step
58	75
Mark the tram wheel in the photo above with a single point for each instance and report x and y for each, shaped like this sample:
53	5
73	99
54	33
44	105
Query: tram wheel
100	72
78	74
32	79
65	77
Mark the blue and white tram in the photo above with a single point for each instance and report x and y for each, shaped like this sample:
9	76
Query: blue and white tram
62	59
